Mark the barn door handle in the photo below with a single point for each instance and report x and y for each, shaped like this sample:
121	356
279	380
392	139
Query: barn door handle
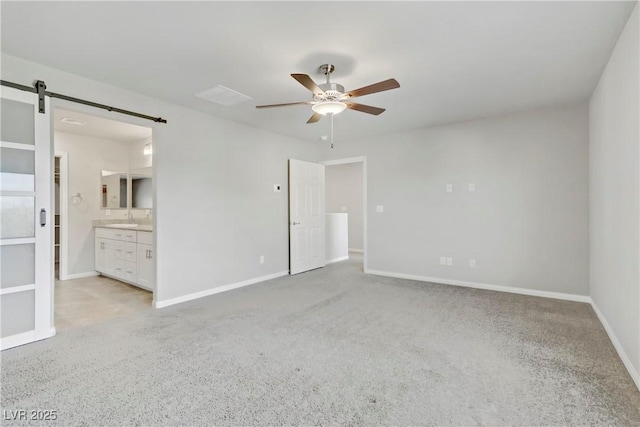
296	223
43	217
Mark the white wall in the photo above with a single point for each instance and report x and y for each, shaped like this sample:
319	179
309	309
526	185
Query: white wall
344	190
336	237
87	157
615	195
526	225
138	159
216	182
216	211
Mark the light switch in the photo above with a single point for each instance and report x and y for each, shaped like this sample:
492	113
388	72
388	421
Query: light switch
449	188
443	260
472	186
472	263
449	261
379	208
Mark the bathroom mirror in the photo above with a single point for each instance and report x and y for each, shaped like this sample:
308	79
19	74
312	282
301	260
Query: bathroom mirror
141	195
113	191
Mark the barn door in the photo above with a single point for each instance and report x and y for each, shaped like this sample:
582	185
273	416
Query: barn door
26	267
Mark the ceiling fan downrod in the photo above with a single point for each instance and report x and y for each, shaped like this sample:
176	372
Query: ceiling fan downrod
327	69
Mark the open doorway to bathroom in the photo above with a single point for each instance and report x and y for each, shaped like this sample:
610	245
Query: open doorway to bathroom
104	205
345	202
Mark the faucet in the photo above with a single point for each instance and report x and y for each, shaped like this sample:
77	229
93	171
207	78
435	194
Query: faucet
130	215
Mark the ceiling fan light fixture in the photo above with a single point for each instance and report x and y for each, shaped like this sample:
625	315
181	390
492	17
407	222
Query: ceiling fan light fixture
329	107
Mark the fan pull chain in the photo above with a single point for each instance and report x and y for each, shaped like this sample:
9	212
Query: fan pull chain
332	131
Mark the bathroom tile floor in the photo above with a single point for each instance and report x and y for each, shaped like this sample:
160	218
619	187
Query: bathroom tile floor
91	300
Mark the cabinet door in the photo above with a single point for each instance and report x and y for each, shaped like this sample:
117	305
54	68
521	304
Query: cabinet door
105	256
109	260
100	253
145	266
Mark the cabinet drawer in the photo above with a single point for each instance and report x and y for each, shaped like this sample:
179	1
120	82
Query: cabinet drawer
116	234
130	271
118	248
125	235
130	251
119	268
145	237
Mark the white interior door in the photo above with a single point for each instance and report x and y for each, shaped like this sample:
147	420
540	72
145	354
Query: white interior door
306	216
26	249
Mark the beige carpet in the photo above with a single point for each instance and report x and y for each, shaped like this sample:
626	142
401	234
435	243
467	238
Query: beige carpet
332	346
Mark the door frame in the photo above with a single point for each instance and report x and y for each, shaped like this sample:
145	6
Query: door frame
363	160
57	103
64	212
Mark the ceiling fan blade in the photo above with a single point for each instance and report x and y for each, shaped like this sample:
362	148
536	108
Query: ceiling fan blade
284	105
306	81
314	118
365	108
374	88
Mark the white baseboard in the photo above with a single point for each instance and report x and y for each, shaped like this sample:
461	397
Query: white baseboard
616	344
342	258
217	290
17	339
81	275
498	288
356	251
24	338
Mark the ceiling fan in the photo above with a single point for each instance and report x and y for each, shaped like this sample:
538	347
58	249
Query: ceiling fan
330	98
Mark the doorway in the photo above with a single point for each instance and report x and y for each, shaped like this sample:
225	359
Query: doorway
346	201
90	151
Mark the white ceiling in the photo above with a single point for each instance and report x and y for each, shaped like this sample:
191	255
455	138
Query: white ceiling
98	127
454	60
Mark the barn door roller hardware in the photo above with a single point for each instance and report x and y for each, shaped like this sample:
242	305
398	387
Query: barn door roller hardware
40	88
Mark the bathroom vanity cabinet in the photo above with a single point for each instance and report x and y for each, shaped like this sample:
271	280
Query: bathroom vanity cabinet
126	255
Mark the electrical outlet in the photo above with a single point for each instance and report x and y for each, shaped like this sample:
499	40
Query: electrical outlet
449	188
261	259
472	263
449	261
379	208
443	260
277	188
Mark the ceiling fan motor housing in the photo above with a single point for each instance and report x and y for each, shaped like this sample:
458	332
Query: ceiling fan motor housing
332	92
